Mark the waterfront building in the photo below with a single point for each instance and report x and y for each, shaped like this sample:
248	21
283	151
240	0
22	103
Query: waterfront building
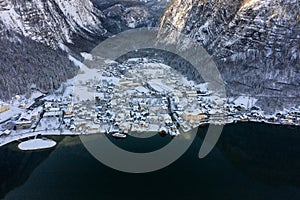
36	113
5	133
23	124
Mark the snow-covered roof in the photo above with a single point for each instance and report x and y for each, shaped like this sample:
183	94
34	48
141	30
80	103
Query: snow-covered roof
142	89
157	85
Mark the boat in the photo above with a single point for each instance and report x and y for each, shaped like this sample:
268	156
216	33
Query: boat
119	135
36	144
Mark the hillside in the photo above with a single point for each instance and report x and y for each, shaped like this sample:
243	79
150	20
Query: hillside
255	43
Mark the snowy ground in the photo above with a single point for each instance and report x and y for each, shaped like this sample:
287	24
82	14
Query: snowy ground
10	113
48	124
246	101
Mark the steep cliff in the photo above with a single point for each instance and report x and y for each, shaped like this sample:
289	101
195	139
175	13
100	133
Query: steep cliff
255	43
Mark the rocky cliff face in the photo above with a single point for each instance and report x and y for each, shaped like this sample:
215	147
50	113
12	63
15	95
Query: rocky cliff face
52	21
255	43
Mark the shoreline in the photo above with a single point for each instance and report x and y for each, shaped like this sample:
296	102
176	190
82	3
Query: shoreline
14	138
114	103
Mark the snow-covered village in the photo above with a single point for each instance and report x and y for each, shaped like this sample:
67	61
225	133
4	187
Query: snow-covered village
138	96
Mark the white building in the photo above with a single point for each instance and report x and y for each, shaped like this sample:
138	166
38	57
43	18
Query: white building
4	107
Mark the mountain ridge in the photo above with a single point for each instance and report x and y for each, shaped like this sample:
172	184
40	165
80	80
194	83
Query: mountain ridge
254	43
53	21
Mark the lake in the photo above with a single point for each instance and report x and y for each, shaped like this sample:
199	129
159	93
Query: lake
250	161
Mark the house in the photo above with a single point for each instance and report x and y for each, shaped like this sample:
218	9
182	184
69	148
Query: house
134	84
120	117
68	111
37	95
4	107
80	123
191	93
5	133
194	115
54	109
179	107
25	117
53	114
125	83
72	127
167	119
18	97
143	104
125	126
22	106
176	99
23	124
48	105
153	118
36	113
155	110
135	108
93	127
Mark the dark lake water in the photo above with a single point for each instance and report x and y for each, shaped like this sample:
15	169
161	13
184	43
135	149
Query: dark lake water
250	161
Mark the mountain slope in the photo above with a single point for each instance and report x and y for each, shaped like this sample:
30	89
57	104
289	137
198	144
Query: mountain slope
52	21
255	43
30	34
30	30
25	62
